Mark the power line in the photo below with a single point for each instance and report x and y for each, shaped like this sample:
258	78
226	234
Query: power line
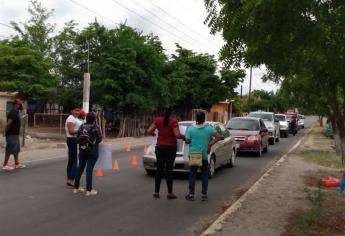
161	19
186	26
86	8
153	23
6	25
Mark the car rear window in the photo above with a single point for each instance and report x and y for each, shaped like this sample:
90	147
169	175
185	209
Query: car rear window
264	116
243	124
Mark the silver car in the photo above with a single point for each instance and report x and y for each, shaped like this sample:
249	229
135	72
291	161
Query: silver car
222	153
284	125
271	123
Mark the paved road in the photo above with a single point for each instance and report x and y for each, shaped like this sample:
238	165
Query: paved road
35	201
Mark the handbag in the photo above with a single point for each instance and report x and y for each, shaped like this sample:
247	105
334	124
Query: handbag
195	159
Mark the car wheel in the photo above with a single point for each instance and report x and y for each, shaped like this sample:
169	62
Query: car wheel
232	159
266	148
150	172
272	141
212	167
259	153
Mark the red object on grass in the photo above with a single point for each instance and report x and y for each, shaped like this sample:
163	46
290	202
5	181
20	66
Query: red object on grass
330	181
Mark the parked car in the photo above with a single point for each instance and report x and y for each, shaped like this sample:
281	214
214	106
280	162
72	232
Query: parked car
293	123
222	153
301	121
250	133
284	125
271	124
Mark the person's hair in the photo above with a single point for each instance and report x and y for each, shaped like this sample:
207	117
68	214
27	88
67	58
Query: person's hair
167	114
90	118
200	117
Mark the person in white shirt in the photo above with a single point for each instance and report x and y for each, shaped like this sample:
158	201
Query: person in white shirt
72	125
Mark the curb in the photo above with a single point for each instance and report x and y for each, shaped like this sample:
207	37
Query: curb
217	225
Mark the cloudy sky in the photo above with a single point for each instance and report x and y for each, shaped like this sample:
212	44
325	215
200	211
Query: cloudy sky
178	21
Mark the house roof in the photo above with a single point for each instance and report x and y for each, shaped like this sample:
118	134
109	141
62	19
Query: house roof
8	94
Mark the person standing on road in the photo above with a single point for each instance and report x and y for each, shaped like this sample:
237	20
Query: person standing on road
88	137
72	125
200	138
166	147
11	133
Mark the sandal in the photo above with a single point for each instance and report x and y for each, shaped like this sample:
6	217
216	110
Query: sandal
190	197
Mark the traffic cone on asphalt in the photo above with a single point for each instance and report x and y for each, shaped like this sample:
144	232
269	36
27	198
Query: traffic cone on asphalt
128	148
99	172
134	161
116	165
145	149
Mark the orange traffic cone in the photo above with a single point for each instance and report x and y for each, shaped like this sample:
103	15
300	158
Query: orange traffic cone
116	165
145	149
128	148
99	172
134	161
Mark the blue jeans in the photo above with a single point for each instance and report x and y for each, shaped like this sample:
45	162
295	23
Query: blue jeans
88	158
204	177
72	158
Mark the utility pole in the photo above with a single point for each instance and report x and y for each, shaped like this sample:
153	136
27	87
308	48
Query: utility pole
87	82
250	87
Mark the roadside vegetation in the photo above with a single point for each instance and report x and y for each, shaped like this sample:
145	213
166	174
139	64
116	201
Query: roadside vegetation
324	215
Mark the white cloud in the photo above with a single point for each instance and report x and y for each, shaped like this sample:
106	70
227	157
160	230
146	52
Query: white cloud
192	13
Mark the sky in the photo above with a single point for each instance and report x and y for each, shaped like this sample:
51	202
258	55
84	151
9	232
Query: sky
178	21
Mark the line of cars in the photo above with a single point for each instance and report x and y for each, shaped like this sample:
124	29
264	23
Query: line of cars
253	133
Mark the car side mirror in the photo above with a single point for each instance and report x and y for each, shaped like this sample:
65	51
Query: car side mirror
276	121
263	130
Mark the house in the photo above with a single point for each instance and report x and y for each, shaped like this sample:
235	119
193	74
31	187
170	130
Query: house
221	111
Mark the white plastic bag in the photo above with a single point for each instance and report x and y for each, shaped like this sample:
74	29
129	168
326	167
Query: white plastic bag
105	160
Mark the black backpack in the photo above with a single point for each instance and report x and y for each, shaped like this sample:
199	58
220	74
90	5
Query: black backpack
86	139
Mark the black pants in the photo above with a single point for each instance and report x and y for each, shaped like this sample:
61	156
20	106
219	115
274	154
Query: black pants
72	158
165	162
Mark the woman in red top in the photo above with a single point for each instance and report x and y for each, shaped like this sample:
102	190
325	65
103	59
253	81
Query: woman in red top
168	133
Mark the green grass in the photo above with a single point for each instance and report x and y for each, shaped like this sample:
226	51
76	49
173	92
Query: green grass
309	219
323	158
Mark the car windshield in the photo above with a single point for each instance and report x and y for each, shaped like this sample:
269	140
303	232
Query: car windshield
243	124
264	116
281	118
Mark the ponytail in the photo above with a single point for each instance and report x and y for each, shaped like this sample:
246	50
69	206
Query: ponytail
167	114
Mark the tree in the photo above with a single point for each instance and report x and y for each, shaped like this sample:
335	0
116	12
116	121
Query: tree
294	38
26	71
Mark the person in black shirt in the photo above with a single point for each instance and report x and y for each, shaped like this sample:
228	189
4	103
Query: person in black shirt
12	130
88	156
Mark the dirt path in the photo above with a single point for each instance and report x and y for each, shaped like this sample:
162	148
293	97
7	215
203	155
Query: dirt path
282	192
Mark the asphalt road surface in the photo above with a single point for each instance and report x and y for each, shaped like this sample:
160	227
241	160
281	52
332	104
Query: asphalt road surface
35	200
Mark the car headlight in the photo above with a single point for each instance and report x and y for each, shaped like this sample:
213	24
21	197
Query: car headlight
252	138
284	127
270	128
150	151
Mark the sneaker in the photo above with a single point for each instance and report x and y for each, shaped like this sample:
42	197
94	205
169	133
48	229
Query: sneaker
79	190
204	198
8	167
19	166
92	192
171	196
190	197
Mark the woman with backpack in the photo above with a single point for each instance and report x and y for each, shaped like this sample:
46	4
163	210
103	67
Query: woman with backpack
88	138
168	133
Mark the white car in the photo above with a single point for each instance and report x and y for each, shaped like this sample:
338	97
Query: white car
271	124
301	121
222	153
284	125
